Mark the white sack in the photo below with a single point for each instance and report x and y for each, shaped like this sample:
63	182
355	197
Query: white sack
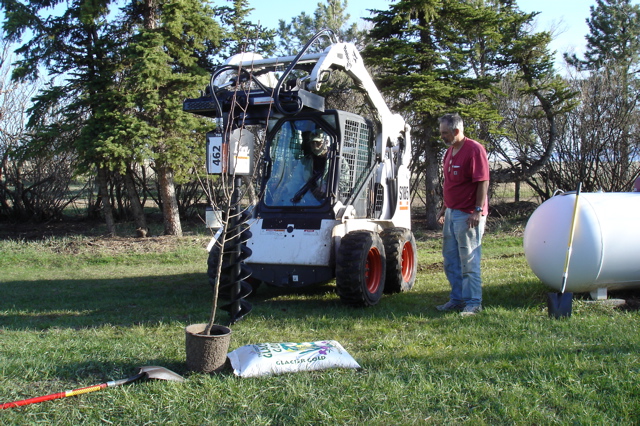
274	358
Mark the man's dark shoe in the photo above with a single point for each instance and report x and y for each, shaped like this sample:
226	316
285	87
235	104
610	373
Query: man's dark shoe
450	306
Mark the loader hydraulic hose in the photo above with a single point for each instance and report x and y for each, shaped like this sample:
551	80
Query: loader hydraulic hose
241	71
292	65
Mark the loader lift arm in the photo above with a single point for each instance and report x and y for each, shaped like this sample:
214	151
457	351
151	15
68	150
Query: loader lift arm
338	56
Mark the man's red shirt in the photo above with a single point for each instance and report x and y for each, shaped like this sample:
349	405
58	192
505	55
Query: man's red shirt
462	172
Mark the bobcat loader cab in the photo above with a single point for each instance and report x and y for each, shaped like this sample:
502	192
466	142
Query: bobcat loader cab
334	197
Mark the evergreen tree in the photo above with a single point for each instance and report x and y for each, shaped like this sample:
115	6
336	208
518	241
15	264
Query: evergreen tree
75	46
122	83
437	57
614	36
330	15
167	57
241	35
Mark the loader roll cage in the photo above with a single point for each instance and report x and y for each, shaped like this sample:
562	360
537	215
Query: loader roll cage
294	180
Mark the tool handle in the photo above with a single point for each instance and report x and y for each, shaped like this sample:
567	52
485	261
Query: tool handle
52	396
74	392
570	244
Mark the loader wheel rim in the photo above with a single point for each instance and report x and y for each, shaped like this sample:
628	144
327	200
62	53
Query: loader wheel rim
373	270
408	258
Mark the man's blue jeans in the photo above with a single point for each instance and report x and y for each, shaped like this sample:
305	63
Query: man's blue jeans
462	249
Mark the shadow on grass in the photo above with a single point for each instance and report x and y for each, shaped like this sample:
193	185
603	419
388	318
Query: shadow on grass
101	372
95	302
186	298
323	300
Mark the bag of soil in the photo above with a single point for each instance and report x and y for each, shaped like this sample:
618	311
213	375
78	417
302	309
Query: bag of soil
275	358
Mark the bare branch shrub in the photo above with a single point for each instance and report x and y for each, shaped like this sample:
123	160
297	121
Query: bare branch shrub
35	175
598	142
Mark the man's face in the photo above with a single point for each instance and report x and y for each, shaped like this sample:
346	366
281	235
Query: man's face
318	146
448	135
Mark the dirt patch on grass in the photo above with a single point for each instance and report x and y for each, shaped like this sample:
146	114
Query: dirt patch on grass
30	231
86	236
116	245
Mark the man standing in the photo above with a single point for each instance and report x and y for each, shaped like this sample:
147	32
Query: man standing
463	214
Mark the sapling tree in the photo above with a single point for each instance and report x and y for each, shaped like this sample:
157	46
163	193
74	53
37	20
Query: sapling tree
232	193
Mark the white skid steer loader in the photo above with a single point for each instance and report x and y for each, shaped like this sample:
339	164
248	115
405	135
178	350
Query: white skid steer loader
334	199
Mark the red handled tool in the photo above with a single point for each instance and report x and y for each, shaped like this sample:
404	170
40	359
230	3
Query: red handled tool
150	372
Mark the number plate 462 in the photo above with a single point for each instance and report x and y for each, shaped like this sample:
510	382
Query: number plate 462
216	157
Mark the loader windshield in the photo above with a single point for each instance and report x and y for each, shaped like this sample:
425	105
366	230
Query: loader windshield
300	157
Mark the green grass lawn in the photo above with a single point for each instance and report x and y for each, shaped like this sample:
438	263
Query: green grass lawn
73	315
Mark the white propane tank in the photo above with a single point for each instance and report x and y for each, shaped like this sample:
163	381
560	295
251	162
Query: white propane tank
606	243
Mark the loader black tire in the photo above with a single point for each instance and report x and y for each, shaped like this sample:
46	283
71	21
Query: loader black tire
402	263
360	268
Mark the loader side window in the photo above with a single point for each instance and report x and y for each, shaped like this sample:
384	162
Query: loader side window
299	165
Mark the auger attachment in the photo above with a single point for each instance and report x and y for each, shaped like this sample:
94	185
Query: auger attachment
233	288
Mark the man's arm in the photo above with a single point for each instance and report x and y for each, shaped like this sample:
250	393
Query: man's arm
481	195
481	192
441	213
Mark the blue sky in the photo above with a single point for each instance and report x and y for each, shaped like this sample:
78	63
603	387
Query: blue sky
565	18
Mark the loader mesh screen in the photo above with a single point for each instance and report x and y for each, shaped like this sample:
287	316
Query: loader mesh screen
357	154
